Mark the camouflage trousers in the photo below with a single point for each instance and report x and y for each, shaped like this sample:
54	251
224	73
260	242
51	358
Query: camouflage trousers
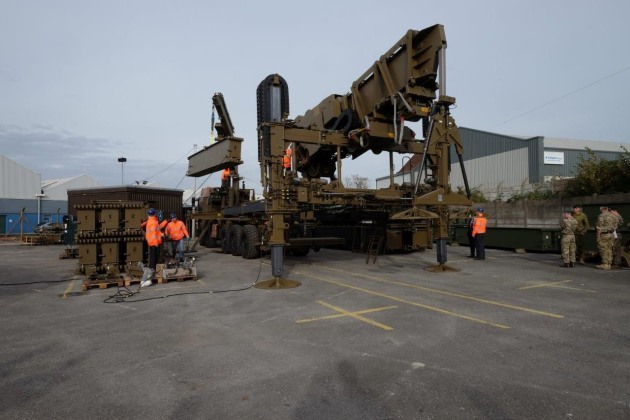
605	247
616	250
579	246
567	244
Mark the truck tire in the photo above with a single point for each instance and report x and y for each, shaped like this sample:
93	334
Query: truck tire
208	241
225	240
249	238
235	239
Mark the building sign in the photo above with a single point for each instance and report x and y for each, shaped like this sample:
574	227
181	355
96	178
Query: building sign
554	158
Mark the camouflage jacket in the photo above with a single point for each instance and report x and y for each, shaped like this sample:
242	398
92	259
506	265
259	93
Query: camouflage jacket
619	220
568	226
606	223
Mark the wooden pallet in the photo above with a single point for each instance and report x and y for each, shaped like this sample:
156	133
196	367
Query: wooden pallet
162	280
129	280
179	274
102	284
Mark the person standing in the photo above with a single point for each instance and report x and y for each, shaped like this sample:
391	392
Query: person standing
177	231
617	242
568	227
582	228
606	225
471	240
225	178
479	233
287	159
153	236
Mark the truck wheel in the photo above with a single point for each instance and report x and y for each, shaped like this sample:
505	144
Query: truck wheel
249	237
225	240
235	239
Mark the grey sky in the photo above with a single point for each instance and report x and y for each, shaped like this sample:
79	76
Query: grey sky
84	82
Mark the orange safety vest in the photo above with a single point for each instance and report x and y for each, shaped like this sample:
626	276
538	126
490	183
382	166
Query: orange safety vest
153	234
479	225
286	159
225	174
176	230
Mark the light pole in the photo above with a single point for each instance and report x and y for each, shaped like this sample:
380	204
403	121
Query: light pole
122	161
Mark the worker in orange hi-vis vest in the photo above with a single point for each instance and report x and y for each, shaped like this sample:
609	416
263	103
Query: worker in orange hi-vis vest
176	231
153	236
225	178
287	158
479	233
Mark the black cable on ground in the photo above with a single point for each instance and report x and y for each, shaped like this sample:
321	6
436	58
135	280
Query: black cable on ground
120	298
34	282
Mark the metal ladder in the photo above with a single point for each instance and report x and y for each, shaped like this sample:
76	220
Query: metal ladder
374	246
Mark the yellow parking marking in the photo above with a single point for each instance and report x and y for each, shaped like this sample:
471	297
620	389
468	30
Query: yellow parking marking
68	289
556	284
544	284
458	295
420	305
354	314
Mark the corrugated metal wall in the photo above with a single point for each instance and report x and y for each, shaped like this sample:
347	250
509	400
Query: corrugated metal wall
16	181
50	211
496	162
571	159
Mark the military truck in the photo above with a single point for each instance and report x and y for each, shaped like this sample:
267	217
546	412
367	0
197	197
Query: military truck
407	83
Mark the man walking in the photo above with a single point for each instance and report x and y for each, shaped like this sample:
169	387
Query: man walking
568	226
176	231
582	228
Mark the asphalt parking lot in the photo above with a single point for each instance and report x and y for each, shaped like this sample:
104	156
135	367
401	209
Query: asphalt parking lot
512	337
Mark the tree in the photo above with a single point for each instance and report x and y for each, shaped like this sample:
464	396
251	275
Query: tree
600	176
356	181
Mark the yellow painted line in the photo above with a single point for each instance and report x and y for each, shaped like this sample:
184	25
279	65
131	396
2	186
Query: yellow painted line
420	305
544	284
458	295
356	316
68	289
347	313
574	288
556	285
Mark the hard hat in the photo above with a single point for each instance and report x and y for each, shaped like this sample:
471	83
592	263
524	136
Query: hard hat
151	212
480	209
173	215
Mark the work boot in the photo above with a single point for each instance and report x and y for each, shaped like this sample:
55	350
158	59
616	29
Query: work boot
603	266
566	265
470	256
572	264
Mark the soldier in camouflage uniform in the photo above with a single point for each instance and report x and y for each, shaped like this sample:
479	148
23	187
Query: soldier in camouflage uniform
568	227
606	225
582	228
617	243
